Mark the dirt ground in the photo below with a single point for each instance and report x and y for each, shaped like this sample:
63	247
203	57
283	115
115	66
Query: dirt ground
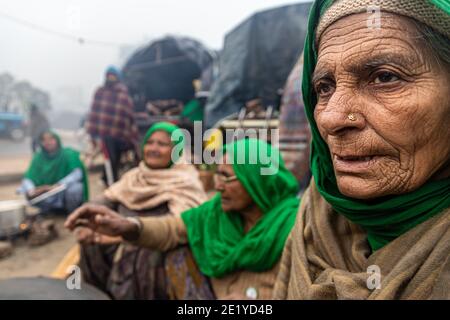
34	261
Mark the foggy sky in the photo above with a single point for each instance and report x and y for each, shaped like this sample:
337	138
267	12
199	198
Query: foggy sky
50	62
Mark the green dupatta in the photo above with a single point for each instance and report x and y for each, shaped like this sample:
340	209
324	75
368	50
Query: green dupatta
386	218
217	238
48	169
169	128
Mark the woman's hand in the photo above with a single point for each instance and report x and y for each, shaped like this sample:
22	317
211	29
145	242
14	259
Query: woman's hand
84	235
38	191
102	220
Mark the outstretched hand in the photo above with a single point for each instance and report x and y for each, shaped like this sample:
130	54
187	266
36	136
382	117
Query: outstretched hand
102	220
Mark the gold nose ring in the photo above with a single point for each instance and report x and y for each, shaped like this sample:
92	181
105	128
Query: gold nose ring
351	117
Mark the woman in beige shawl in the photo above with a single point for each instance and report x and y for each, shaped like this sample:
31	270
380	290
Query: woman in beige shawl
375	220
158	186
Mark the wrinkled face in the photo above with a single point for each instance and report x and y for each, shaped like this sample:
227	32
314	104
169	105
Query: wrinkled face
158	150
49	143
398	136
233	194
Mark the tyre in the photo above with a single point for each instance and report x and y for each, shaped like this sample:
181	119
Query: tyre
17	134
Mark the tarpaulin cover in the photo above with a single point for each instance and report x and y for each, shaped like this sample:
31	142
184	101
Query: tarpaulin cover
256	60
165	70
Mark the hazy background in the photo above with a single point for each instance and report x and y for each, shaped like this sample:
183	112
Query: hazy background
40	39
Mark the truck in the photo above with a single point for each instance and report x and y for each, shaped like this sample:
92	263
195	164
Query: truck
13	126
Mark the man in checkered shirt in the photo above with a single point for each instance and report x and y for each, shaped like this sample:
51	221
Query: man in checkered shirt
111	119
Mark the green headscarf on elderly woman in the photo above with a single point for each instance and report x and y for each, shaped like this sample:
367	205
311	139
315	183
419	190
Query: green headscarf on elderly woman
48	169
174	132
384	219
217	238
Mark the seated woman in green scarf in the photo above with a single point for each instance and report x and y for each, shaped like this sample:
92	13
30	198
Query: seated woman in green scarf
236	238
375	220
54	166
157	186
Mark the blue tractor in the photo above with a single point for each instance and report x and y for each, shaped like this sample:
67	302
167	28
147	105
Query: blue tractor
13	125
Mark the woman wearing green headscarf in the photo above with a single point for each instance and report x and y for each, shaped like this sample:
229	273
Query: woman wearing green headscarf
162	184
236	238
375	220
53	166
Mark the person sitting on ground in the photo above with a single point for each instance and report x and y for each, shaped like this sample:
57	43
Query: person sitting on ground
234	240
158	186
55	166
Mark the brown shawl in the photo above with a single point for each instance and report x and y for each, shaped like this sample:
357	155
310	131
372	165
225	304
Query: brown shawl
143	188
327	257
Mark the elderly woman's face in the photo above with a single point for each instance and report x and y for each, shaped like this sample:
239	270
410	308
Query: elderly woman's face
234	197
383	106
158	150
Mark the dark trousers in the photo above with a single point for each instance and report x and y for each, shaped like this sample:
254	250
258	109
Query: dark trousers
115	148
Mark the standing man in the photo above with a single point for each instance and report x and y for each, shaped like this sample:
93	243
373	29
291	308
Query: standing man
111	119
38	125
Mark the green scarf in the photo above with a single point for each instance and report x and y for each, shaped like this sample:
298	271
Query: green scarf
193	111
444	5
48	169
217	238
386	218
174	132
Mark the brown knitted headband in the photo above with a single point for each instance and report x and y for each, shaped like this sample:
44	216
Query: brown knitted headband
421	10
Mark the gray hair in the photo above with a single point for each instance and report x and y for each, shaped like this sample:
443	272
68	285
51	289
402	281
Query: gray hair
436	43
